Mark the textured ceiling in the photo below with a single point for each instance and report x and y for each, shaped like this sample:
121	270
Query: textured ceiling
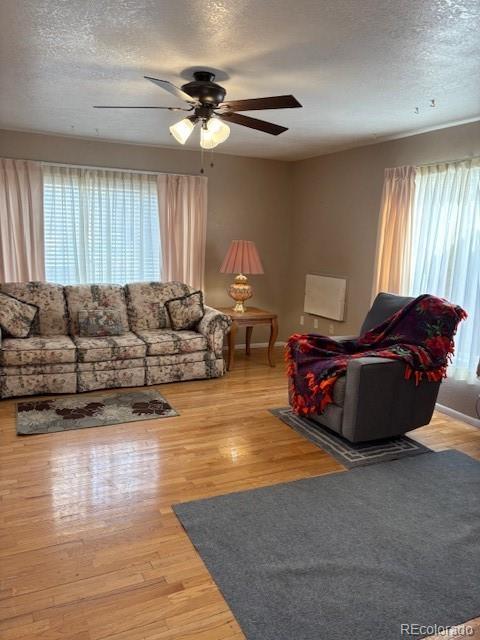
359	67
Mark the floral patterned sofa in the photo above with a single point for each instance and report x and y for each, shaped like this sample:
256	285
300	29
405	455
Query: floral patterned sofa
55	358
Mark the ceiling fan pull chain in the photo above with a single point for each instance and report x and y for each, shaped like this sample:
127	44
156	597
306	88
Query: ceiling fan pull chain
202	171
211	158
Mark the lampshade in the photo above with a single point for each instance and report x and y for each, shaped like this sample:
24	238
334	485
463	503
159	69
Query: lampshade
214	132
182	130
207	141
242	257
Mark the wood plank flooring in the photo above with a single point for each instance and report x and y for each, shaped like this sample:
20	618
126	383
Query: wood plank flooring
89	546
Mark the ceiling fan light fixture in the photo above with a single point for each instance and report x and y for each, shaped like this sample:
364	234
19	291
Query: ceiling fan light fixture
213	132
182	130
207	140
219	130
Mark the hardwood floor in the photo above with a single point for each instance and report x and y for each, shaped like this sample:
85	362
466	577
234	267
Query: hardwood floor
90	548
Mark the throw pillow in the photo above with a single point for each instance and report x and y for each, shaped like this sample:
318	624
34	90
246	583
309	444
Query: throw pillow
99	322
185	312
16	317
158	310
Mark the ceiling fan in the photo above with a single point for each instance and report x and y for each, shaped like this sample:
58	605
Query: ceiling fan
206	101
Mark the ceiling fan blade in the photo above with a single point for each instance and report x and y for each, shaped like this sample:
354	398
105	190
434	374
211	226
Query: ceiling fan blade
252	104
253	123
117	106
171	88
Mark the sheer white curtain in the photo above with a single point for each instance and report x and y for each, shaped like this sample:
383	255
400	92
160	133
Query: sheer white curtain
182	204
445	249
21	221
101	226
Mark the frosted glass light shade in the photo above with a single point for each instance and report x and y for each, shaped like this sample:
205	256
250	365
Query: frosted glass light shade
206	139
219	129
214	133
182	130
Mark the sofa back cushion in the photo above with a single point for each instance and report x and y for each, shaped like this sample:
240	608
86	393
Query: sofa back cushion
146	303
83	297
51	318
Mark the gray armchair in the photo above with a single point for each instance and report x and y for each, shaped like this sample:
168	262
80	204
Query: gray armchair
373	400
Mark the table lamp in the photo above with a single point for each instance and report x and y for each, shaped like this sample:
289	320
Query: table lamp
241	258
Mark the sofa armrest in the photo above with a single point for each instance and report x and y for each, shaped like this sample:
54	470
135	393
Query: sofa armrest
214	325
380	402
343	338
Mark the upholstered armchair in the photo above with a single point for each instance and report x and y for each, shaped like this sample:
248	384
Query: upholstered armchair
374	400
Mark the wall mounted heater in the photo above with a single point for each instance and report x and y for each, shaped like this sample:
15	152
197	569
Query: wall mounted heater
325	296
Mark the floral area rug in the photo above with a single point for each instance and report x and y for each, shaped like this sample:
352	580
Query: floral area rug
92	410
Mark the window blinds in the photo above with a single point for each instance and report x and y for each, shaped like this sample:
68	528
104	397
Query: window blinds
101	226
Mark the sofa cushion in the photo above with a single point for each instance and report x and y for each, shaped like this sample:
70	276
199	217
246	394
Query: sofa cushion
95	296
146	303
16	317
187	371
99	322
100	349
38	369
179	358
166	341
37	384
111	365
51	319
185	312
37	350
110	379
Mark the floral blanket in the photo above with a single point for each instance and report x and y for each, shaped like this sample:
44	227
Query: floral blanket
420	334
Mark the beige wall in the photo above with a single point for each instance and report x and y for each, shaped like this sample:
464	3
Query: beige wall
248	198
335	215
314	216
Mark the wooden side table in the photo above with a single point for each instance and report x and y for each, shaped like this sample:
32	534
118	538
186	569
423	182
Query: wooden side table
248	319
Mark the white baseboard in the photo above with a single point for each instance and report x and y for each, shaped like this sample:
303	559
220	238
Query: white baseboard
260	345
457	415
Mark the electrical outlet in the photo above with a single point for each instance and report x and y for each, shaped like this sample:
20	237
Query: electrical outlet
302	320
331	329
315	323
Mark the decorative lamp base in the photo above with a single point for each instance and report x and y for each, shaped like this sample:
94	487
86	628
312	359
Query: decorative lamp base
240	291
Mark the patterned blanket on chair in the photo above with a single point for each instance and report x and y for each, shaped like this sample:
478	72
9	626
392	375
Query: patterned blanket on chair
420	334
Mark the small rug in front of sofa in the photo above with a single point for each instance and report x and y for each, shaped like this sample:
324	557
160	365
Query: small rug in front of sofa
350	454
92	410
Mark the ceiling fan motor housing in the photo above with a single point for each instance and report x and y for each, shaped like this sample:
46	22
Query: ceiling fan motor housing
204	89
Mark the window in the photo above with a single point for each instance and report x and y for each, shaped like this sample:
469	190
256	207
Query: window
100	226
445	249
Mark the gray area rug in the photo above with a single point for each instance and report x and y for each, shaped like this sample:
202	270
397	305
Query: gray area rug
347	453
91	410
348	556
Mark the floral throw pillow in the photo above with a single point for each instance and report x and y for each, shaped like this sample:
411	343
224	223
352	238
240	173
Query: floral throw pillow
16	317
185	312
99	322
158	311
